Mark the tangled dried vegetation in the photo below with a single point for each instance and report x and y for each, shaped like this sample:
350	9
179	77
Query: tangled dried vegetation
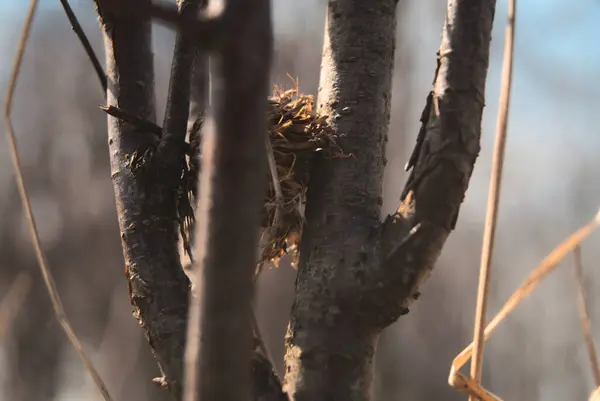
296	134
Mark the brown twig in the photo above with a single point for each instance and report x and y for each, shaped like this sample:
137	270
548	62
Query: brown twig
465	384
141	123
493	198
584	316
48	279
86	44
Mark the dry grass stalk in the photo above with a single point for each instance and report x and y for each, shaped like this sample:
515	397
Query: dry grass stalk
494	198
296	134
471	387
39	253
584	315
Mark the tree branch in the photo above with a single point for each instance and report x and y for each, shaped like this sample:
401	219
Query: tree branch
329	349
231	199
85	43
172	148
443	160
178	100
145	195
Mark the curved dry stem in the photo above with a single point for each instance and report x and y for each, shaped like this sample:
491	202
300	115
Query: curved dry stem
584	315
493	197
464	384
41	258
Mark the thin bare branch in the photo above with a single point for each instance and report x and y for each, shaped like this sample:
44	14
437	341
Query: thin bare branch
178	100
584	315
140	123
41	258
86	43
550	263
172	147
441	165
231	199
493	197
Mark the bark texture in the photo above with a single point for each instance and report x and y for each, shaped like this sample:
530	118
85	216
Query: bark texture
330	344
146	174
356	275
443	159
145	195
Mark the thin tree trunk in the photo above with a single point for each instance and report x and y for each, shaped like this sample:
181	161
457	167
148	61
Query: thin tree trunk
232	188
357	276
329	348
145	196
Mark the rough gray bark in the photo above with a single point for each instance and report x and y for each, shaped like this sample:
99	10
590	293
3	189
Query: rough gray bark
145	194
443	160
331	340
357	276
145	165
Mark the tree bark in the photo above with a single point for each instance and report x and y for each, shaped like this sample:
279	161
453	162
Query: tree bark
356	275
145	195
329	346
232	188
442	163
145	182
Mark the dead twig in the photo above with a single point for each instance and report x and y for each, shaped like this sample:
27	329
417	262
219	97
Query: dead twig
48	279
176	117
493	198
142	124
466	385
584	315
86	44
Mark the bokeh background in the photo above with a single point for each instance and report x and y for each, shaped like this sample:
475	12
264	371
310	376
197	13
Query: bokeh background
550	188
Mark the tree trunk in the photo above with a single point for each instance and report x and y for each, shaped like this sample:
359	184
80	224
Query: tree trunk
329	346
356	275
232	186
145	194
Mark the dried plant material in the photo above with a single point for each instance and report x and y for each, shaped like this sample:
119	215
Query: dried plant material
471	387
57	305
296	134
584	316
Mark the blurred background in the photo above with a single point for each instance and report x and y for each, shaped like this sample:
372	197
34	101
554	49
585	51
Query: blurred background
549	189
